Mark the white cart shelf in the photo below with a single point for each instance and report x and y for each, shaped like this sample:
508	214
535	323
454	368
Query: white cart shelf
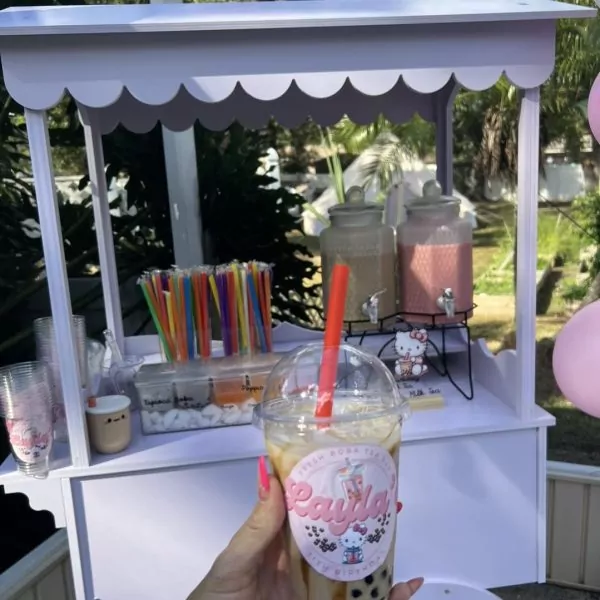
148	523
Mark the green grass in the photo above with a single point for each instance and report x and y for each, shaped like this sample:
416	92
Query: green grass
494	243
576	436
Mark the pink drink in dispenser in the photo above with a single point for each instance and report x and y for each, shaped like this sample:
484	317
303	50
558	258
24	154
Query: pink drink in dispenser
435	260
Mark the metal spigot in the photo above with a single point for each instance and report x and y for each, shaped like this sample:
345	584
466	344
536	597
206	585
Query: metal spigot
370	308
447	302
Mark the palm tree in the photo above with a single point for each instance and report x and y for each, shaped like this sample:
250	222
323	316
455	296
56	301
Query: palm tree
389	145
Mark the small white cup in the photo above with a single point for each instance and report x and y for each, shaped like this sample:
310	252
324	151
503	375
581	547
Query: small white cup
109	423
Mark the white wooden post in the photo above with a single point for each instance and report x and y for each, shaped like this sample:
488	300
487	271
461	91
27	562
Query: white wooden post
58	283
444	137
104	234
527	198
182	185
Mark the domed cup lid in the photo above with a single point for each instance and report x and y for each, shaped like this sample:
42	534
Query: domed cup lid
366	397
433	199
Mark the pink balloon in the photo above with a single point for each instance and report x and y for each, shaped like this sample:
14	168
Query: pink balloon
594	109
576	359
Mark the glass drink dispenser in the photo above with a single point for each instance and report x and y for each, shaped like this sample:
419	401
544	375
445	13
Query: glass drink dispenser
435	260
358	238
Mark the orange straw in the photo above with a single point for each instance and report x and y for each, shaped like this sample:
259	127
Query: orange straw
251	320
233	315
204	304
268	327
331	344
162	310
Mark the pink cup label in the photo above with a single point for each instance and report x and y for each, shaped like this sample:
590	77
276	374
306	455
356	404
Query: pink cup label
342	509
30	440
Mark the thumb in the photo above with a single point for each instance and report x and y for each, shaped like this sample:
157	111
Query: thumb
405	591
248	545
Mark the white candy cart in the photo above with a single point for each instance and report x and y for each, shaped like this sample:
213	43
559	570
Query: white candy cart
146	524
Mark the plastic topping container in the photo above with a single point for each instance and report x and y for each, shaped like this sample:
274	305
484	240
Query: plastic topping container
201	394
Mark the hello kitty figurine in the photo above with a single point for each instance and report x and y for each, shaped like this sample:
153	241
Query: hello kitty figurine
411	347
353	541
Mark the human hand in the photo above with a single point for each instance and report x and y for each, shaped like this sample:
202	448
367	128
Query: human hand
255	564
405	591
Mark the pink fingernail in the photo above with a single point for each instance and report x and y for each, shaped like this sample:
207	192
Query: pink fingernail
263	477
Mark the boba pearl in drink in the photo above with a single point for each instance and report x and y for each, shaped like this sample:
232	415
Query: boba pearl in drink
339	473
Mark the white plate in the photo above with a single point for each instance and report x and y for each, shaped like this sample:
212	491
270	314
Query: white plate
452	591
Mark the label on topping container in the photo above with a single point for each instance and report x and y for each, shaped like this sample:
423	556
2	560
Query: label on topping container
341	505
30	439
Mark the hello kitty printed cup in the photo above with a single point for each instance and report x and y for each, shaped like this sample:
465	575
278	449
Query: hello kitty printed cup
26	406
339	473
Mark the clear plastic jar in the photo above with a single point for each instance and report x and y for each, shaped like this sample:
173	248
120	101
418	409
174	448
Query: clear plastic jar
435	260
358	239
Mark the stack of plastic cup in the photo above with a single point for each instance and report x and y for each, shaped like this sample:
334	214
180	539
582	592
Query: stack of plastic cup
48	352
26	406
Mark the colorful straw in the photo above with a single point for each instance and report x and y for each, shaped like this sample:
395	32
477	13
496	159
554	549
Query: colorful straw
333	333
180	302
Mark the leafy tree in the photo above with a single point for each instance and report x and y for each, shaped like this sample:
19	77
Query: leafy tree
244	219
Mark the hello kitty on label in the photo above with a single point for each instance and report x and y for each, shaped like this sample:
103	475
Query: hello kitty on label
30	441
411	348
342	509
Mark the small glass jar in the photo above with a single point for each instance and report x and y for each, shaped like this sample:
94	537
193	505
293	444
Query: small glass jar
435	260
358	238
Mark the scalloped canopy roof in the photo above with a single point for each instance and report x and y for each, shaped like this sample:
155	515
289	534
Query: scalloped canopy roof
137	64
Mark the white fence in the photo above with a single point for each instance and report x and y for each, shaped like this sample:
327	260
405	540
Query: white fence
574	525
560	182
573	542
44	574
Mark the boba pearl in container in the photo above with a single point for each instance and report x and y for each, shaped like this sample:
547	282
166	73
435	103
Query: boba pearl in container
339	472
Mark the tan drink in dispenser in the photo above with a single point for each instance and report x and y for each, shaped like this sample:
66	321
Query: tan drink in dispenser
358	238
339	473
435	260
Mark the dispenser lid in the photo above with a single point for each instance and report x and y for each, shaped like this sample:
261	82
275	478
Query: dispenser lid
355	207
355	195
432	198
355	211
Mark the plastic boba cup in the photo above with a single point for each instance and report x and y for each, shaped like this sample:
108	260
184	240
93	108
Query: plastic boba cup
339	473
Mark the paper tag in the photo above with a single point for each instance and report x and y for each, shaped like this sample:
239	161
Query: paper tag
342	509
30	440
416	390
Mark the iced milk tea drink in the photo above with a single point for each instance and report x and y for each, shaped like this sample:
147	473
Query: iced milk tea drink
339	474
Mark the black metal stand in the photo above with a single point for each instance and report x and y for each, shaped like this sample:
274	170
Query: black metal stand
355	330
